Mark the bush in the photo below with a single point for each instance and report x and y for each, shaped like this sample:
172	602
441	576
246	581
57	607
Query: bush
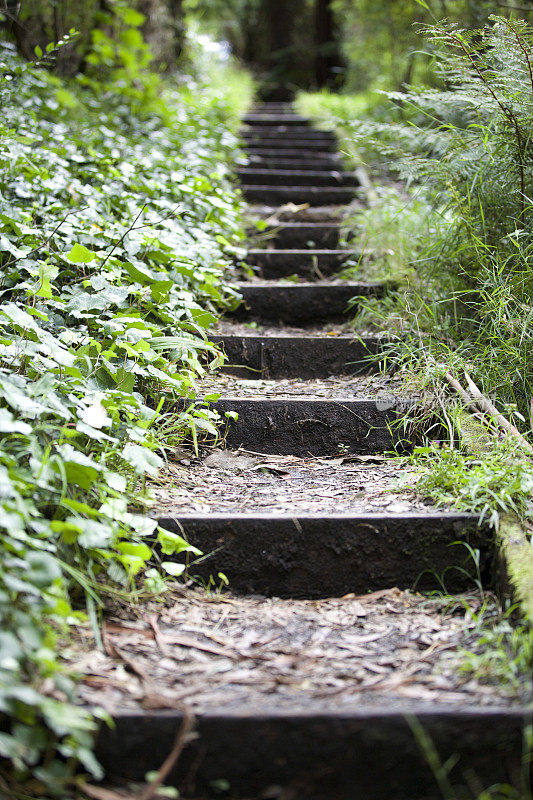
118	222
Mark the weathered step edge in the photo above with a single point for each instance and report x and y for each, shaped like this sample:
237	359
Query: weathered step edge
297	356
283	177
301	303
275	133
326	554
288	146
305	427
280	263
342	755
298	235
314	195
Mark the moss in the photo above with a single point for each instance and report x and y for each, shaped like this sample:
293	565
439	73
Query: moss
517	554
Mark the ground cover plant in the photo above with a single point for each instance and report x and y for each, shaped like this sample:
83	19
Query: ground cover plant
118	220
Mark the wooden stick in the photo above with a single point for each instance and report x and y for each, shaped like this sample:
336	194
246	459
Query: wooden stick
465	397
485	404
170	761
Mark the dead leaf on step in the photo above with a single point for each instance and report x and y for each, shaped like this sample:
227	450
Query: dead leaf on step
225	459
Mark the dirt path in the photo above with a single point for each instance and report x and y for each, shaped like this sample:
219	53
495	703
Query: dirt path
305	680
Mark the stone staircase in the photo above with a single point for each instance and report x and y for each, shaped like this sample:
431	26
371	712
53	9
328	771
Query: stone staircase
314	422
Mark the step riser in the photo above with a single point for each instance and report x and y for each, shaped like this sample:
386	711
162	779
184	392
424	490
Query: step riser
303	165
329	756
281	263
289	147
275	120
313	556
317	237
308	156
287	133
301	305
270	177
312	427
315	196
268	357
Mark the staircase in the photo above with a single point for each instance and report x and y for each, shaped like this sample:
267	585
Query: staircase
310	700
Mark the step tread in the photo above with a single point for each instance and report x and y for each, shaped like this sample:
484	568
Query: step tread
274	119
227	485
305	253
292	691
362	656
380	389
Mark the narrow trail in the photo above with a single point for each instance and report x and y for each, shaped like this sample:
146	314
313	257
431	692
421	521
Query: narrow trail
305	677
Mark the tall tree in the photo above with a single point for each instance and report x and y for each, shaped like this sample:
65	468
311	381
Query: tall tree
329	59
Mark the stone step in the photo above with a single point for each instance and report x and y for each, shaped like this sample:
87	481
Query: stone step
303	164
274	118
286	177
316	751
302	213
312	556
298	235
304	426
289	147
301	303
280	263
287	158
270	105
314	195
287	133
286	356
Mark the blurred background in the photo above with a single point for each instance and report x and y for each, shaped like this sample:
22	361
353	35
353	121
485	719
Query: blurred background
349	45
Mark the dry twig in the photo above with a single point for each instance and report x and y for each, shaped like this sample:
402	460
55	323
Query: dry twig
182	738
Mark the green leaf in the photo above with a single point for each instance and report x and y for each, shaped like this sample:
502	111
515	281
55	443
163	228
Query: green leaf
8	424
81	255
173	569
173	543
47	273
43	569
143	460
132	549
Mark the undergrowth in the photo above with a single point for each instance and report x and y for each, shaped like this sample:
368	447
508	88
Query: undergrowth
118	220
451	225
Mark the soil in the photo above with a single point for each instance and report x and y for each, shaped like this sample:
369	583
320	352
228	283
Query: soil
303	213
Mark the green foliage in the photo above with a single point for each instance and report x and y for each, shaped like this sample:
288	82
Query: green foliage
465	152
384	45
114	191
498	651
501	481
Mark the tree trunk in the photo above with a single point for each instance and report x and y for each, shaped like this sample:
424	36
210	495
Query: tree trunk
328	56
176	12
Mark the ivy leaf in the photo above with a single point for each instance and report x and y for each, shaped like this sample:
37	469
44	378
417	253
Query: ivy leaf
96	415
8	423
81	254
47	273
173	569
143	460
173	543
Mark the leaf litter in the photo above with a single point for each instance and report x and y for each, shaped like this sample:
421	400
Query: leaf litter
241	481
207	651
